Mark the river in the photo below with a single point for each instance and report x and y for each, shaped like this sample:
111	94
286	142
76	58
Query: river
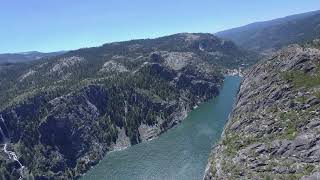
181	153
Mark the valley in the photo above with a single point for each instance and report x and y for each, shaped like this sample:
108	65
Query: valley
68	111
155	108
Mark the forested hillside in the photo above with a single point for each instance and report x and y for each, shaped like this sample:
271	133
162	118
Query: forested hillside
62	114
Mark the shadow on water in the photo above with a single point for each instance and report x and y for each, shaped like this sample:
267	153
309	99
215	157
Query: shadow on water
179	154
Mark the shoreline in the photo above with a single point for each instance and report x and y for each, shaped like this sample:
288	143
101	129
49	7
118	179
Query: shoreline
175	123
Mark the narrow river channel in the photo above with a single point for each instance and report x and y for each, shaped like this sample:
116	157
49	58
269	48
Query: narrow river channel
179	154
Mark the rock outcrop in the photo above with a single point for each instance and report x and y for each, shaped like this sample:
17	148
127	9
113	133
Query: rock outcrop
274	129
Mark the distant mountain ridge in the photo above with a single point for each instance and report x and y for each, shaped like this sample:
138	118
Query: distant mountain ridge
272	35
26	56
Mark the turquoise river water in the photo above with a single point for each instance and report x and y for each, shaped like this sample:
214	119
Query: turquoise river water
181	153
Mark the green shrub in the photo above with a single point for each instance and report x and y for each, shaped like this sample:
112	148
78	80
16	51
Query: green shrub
309	168
301	79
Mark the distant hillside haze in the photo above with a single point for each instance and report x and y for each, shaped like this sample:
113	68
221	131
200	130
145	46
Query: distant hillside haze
272	35
26	56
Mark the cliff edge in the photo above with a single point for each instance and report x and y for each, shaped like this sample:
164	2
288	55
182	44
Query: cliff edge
274	129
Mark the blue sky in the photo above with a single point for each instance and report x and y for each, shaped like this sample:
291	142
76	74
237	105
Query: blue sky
53	25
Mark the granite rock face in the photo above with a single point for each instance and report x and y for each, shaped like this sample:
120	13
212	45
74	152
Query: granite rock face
274	129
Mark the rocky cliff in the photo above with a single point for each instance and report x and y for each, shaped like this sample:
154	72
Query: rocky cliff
274	129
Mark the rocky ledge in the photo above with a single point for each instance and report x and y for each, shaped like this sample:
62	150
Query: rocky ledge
274	129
